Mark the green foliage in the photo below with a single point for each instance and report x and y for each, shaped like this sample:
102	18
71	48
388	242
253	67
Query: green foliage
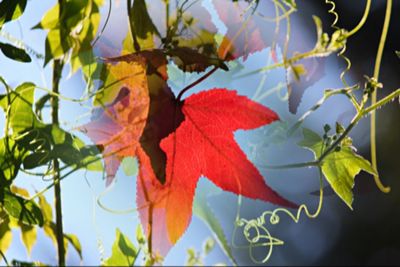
11	10
72	25
15	53
124	252
339	167
24	210
17	105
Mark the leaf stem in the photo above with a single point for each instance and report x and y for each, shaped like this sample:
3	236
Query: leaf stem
202	78
374	94
290	166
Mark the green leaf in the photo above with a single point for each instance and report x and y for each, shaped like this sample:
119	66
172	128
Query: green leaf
11	10
50	19
74	28
74	241
57	44
26	211
124	253
20	116
48	142
15	53
10	161
397	53
143	29
339	167
130	166
28	236
204	212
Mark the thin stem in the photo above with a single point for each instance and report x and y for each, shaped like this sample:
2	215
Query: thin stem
382	102
362	21
57	69
202	78
292	60
374	94
4	258
341	137
290	166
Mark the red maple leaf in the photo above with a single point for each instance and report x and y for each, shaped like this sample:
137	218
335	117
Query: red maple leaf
203	144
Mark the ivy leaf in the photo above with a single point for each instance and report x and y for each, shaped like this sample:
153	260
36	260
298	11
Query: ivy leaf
339	167
15	53
206	132
26	211
124	253
11	10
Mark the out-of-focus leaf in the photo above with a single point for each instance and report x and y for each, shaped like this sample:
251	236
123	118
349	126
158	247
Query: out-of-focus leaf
11	10
204	212
124	253
339	167
208	245
26	211
15	53
141	239
130	166
76	244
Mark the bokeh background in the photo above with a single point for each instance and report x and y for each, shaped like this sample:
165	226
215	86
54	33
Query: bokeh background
367	235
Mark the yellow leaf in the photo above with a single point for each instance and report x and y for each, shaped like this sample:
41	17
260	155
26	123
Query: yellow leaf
28	236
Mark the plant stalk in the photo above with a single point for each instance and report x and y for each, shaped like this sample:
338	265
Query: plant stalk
57	69
374	94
